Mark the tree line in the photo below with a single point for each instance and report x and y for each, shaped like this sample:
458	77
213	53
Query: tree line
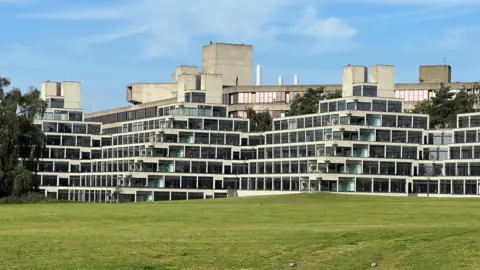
21	141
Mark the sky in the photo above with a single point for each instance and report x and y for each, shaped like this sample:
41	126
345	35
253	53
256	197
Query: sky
106	44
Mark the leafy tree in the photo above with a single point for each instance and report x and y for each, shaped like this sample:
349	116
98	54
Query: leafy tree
308	102
21	141
445	105
259	121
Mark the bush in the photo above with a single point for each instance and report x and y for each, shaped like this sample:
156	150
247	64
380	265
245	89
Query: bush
26	199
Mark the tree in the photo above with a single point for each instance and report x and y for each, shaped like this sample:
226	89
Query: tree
21	141
308	102
444	107
259	121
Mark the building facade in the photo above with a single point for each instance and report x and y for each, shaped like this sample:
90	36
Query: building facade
186	146
235	64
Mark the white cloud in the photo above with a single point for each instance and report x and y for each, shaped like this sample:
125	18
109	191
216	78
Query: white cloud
169	27
329	28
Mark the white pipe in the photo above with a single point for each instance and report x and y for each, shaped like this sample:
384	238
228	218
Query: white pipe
280	80
295	79
259	75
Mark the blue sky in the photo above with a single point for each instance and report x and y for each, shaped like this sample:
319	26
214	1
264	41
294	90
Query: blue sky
106	44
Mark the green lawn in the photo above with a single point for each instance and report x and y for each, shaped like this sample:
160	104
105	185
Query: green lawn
316	231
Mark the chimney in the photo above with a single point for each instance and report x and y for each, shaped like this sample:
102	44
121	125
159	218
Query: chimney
280	80
295	79
259	75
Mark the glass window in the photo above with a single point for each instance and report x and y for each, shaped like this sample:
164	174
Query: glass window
369	91
357	90
389	121
405	121
463	122
57	103
198	97
420	122
363	106
324	107
475	121
379	106
332	106
394	106
341	105
459	137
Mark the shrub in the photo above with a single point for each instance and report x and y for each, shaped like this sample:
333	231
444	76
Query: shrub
26	199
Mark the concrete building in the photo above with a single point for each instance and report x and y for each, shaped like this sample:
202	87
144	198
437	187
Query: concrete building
185	146
234	63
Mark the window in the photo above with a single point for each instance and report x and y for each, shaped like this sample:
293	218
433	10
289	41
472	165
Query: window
394	106
57	103
389	121
332	106
420	122
219	111
459	137
405	121
75	116
363	106
379	106
198	97
369	91
323	107
475	121
357	90
463	122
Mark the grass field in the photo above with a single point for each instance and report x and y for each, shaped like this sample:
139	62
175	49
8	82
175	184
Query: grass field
315	231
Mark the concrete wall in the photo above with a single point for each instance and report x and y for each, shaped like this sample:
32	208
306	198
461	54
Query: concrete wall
186	82
186	70
71	92
384	77
138	93
212	84
352	75
49	89
230	60
435	74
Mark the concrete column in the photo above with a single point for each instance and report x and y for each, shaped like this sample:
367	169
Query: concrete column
390	185
372	185
464	188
